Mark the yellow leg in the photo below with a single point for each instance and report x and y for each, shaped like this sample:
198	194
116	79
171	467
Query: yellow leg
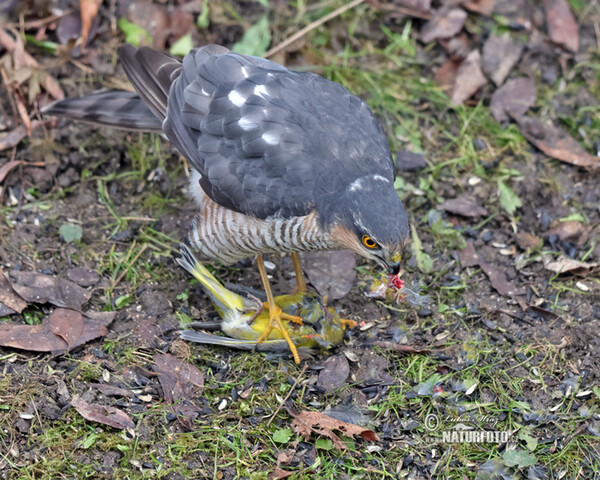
298	270
275	313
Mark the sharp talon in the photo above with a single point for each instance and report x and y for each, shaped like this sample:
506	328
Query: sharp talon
286	316
276	315
348	323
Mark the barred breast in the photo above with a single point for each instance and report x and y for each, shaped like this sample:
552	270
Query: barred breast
220	234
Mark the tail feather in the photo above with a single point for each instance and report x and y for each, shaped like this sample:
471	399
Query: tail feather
114	108
151	73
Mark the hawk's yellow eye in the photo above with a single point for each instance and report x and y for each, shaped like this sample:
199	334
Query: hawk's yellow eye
369	242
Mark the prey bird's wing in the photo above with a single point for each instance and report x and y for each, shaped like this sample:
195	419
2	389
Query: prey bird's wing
114	108
277	345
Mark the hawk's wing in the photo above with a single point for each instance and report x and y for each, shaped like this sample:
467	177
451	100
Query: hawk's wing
266	140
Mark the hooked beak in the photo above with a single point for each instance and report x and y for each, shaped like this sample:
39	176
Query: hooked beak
393	268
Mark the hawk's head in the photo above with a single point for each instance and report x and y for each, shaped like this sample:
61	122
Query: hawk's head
370	220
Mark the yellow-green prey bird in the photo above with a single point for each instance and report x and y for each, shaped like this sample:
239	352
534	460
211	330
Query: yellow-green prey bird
244	320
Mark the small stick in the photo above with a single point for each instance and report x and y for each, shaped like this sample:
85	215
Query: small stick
312	26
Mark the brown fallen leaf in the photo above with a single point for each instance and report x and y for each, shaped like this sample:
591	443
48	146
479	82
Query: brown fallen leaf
9	298
12	138
470	258
561	24
331	273
500	55
555	142
104	414
484	7
39	288
528	241
464	206
284	458
88	10
445	76
446	23
63	330
66	324
469	78
334	373
179	380
21	60
306	422
571	230
516	97
564	264
94	326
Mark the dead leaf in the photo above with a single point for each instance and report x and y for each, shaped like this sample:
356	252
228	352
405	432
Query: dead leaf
470	258
88	10
464	206
571	230
154	18
178	379
500	55
418	6
561	24
446	23
39	288
445	76
66	324
332	273
334	374
555	142
484	7
306	422
469	78
564	264
9	298
83	276
94	326
104	414
528	241
63	330
516	97
17	134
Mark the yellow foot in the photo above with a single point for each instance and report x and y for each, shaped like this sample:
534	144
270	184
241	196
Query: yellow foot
276	316
346	323
286	316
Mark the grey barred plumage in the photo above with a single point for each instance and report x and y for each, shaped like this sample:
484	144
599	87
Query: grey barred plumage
284	161
222	235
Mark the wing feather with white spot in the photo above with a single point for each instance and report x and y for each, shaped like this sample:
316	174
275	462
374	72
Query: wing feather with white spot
266	141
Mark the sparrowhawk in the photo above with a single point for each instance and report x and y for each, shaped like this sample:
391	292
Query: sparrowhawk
283	161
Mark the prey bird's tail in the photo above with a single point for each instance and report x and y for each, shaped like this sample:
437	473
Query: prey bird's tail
222	298
113	108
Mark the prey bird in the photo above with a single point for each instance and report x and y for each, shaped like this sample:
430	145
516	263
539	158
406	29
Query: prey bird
283	161
245	320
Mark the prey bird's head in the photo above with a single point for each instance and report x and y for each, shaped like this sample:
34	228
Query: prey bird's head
370	220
